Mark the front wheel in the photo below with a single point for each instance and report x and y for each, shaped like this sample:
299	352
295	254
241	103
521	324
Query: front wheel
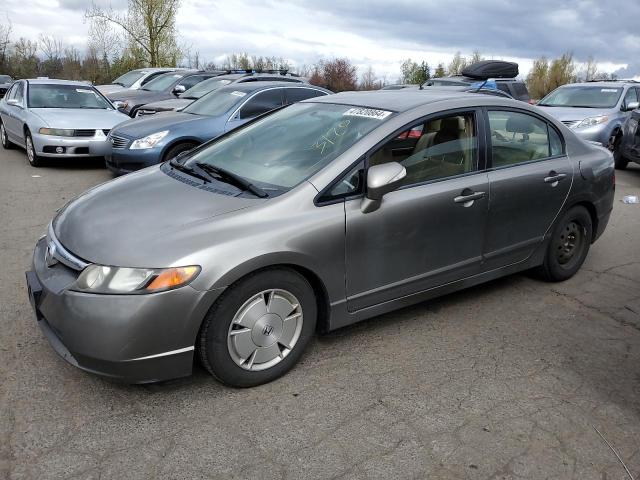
568	246
33	158
176	150
259	328
615	147
4	138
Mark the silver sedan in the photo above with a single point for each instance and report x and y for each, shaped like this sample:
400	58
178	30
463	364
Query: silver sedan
55	118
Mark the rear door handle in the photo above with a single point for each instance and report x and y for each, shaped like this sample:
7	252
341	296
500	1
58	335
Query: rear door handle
554	178
468	197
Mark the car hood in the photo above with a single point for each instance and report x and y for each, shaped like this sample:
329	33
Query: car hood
109	88
143	126
171	104
144	219
571	114
80	118
139	96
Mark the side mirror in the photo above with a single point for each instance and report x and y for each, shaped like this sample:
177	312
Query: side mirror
632	106
178	89
381	179
120	106
14	102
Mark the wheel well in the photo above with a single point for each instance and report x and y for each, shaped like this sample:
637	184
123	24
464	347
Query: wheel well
169	147
593	214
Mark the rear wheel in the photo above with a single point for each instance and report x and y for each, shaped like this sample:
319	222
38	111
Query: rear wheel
259	328
4	138
34	159
568	246
176	150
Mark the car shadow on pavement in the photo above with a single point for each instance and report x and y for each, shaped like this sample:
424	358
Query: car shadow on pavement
85	163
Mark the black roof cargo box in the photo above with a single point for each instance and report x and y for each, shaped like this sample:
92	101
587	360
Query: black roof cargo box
491	69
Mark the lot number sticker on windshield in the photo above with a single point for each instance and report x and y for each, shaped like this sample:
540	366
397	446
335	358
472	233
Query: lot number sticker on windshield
238	94
367	113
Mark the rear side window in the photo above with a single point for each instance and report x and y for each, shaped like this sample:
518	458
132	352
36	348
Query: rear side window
503	86
298	94
518	138
262	103
192	80
520	91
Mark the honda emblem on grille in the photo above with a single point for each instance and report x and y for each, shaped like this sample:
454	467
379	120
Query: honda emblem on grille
267	330
50	255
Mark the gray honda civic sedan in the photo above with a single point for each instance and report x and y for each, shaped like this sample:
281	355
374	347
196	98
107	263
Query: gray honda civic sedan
307	219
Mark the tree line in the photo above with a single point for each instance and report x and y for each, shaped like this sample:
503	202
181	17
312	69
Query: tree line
145	35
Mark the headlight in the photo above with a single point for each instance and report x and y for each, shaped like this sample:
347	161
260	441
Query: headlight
114	280
149	141
58	132
591	121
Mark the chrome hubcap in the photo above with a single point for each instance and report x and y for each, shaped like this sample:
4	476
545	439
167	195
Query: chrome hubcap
569	243
30	149
265	329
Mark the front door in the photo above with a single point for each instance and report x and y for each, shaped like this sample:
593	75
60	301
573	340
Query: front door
530	178
430	231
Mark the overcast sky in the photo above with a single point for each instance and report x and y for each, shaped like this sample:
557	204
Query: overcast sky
380	33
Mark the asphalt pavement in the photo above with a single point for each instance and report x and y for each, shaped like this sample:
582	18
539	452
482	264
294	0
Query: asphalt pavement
513	379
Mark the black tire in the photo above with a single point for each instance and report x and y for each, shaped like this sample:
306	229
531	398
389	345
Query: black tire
4	139
32	157
615	143
212	344
568	246
176	150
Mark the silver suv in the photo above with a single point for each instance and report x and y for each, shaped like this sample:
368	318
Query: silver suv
595	111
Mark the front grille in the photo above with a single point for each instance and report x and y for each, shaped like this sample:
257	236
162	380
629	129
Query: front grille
106	131
119	142
571	123
84	133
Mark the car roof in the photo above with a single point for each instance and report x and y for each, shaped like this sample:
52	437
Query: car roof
253	86
56	81
397	100
604	83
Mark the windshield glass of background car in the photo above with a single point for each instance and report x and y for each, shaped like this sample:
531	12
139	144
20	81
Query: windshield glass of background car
583	96
65	96
205	87
216	103
128	79
162	82
289	146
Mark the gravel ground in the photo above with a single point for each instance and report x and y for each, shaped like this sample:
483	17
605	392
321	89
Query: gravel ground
511	379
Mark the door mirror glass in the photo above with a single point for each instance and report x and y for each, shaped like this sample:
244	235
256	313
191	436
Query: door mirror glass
178	89
382	179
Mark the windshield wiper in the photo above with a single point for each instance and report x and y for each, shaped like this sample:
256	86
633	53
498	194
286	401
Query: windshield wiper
175	163
189	98
233	179
118	83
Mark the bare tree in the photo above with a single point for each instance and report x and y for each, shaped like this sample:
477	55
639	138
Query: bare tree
150	26
5	42
369	80
457	64
439	71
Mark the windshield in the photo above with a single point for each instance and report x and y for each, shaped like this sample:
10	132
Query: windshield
215	103
162	82
65	96
582	96
204	87
5	79
129	78
287	147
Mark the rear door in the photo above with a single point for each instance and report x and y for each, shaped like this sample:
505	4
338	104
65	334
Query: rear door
530	177
261	102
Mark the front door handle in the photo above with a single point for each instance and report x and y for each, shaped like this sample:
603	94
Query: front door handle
554	178
467	197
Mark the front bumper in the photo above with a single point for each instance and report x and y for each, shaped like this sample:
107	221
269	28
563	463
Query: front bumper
46	145
124	160
133	338
597	133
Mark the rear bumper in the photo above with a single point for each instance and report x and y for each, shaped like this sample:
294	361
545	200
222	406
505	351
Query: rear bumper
131	338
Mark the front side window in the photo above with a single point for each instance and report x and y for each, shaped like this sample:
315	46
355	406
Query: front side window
298	94
517	138
287	147
262	103
163	82
630	97
65	96
350	184
583	96
19	93
436	149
